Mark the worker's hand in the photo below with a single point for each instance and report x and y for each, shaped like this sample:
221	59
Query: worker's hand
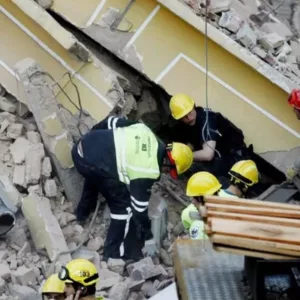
150	248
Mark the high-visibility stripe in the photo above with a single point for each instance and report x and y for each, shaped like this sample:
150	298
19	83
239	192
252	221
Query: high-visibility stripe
109	122
126	231
114	123
119	217
155	171
139	202
137	208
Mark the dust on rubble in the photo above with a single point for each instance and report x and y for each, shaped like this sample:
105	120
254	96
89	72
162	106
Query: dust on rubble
23	269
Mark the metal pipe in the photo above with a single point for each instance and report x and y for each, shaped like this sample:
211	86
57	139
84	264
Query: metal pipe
7	218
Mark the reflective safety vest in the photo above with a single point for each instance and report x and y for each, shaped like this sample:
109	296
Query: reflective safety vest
197	232
136	153
223	193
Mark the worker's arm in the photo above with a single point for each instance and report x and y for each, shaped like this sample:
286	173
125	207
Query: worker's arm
211	137
140	190
207	153
112	122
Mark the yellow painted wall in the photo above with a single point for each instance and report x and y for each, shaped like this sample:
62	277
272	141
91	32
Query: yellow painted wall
17	45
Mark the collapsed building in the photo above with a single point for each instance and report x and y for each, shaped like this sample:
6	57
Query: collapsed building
79	65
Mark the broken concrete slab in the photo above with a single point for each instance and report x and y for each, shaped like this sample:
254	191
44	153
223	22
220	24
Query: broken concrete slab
107	279
247	36
24	292
23	276
271	41
43	104
7	116
119	291
14	131
280	28
230	21
7	105
19	149
44	228
33	163
116	265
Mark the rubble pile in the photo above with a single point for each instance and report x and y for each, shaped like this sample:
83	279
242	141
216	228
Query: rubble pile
48	225
268	33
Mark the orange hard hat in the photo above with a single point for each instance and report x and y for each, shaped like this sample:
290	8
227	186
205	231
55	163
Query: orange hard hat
294	99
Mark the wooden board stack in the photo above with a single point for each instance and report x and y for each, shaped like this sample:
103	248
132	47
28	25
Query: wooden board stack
253	227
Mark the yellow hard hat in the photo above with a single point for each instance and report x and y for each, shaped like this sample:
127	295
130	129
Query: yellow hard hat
185	216
197	231
182	156
244	171
80	271
53	285
202	183
180	105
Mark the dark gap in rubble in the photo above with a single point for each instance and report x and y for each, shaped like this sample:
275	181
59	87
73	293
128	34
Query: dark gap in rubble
152	102
7	221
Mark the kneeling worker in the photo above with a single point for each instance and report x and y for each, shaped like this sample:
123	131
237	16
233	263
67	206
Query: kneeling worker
122	159
80	277
53	288
244	174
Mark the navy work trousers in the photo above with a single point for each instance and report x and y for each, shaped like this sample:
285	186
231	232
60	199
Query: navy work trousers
121	241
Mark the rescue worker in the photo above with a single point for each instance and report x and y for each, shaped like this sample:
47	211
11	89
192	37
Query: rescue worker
243	175
80	277
294	101
122	159
53	288
216	142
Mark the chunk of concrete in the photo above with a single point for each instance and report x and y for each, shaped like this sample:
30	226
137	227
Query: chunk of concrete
280	28
7	105
119	291
247	36
231	21
4	271
271	41
44	228
42	104
107	279
2	286
4	125
50	188
96	244
25	249
19	149
23	276
217	6
3	255
7	116
33	163
24	292
46	167
33	137
19	176
116	265
14	131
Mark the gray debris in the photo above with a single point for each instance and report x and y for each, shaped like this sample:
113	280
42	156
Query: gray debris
19	149
95	244
119	291
116	265
33	137
46	167
50	188
14	131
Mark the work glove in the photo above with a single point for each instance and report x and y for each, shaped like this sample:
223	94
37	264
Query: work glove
150	248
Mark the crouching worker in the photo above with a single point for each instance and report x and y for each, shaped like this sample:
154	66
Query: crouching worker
80	277
199	185
53	288
121	160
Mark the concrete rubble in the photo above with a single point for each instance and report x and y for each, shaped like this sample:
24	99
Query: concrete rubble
264	28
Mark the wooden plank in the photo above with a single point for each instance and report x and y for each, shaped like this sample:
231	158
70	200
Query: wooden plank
260	231
254	218
250	203
254	210
245	252
253	244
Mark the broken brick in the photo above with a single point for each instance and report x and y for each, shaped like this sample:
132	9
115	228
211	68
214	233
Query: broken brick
6	105
14	131
46	167
33	137
19	149
23	276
